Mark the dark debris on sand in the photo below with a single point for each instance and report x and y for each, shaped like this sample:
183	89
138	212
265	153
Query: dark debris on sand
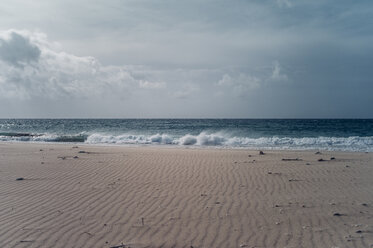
291	159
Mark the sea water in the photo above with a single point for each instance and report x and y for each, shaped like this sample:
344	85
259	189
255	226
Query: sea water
294	134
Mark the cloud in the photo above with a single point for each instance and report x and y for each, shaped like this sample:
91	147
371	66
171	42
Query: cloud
284	3
241	84
187	91
31	66
152	85
17	50
240	80
276	73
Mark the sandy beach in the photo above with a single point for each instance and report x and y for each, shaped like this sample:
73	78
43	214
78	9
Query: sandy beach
62	195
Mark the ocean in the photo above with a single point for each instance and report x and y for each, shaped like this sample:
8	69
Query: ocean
289	134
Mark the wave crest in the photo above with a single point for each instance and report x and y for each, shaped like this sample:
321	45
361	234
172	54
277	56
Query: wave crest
353	143
129	139
219	139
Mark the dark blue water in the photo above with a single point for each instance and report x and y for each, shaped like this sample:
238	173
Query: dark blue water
330	134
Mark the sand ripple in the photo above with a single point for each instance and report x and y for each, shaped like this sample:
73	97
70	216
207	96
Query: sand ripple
160	197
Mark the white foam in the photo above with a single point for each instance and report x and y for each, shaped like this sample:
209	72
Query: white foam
219	139
187	140
129	139
161	138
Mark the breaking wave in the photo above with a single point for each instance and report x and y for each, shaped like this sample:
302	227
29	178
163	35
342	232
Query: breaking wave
353	143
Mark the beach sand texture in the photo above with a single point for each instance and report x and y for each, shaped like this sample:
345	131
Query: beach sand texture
171	197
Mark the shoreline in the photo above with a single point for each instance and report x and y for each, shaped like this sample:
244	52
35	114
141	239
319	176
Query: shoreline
177	146
79	195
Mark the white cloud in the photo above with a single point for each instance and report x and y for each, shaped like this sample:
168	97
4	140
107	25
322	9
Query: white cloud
226	80
241	83
284	3
186	91
31	66
276	73
151	85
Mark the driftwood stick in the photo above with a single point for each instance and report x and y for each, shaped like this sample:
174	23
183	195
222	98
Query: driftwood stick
291	159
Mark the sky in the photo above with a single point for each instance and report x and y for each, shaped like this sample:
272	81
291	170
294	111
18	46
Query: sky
186	59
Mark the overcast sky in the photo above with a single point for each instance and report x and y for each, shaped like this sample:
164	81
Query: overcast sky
184	59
